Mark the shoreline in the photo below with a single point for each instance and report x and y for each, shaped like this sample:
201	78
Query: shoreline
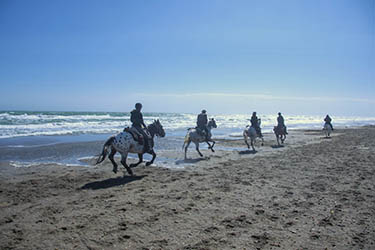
82	152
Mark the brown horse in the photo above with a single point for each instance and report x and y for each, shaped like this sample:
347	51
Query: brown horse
280	134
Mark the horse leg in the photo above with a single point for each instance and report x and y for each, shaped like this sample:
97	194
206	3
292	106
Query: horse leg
212	147
186	148
278	140
245	139
140	157
262	140
123	162
252	144
197	148
153	158
111	155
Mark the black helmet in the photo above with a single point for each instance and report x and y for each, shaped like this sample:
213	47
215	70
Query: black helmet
204	111
138	105
279	113
254	113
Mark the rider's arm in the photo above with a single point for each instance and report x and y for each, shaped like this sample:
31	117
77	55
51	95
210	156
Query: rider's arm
141	119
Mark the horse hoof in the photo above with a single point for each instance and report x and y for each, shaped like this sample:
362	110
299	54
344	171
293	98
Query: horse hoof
213	150
148	164
114	171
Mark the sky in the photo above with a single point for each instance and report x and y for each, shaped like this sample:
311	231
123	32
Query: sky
295	56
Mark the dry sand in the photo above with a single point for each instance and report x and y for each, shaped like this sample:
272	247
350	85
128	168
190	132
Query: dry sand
314	193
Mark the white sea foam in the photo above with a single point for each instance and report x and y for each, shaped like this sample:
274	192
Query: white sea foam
15	124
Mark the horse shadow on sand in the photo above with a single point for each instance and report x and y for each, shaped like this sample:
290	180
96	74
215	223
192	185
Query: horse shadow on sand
196	160
277	146
247	152
326	138
112	182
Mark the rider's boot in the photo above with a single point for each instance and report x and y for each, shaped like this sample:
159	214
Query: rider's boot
140	140
146	146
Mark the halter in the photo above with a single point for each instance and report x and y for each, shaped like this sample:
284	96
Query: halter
152	128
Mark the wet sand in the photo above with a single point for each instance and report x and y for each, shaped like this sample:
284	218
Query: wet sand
313	193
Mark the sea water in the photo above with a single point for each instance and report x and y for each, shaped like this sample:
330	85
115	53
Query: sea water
28	136
25	123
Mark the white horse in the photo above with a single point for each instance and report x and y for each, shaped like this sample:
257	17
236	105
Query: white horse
195	137
250	132
327	130
124	143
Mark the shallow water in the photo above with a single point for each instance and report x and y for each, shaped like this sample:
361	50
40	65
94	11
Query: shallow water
71	137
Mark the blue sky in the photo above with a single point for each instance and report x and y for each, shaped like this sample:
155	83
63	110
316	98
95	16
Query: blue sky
298	57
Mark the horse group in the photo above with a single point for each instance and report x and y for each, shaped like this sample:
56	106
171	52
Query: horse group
124	142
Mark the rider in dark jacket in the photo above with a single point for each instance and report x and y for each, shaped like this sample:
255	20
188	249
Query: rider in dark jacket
328	121
136	118
255	123
280	122
202	122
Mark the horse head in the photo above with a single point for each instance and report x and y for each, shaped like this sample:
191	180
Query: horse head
159	131
212	123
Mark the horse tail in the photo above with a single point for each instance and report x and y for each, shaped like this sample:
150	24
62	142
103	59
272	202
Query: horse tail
186	140
105	150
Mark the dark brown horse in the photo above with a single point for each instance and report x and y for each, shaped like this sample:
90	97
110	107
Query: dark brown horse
280	134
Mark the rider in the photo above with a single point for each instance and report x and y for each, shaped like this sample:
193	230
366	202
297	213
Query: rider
202	123
137	122
328	121
280	123
255	123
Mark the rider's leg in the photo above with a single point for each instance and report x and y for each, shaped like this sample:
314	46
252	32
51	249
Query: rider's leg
145	139
139	134
259	132
330	124
206	130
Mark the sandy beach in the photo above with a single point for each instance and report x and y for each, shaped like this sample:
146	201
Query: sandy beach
313	193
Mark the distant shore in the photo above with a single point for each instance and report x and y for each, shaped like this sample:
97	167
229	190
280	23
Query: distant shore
314	193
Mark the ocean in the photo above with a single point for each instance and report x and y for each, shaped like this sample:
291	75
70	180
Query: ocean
33	123
27	136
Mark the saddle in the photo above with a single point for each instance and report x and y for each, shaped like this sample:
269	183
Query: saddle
280	128
200	131
138	136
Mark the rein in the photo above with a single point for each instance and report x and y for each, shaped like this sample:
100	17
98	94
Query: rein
152	129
